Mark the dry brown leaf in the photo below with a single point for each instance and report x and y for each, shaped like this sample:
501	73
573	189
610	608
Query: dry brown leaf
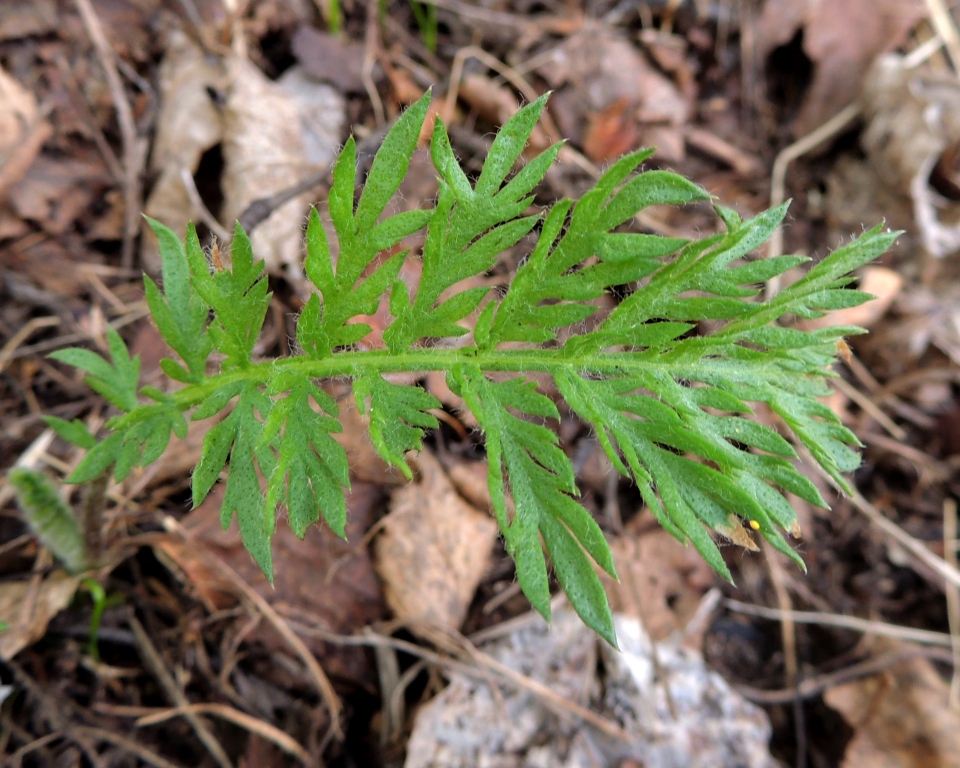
611	132
330	58
661	581
20	20
841	38
365	463
433	550
602	66
54	192
900	719
42	602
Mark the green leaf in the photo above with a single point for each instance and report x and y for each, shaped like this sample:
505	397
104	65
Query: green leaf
75	431
542	484
179	312
398	417
311	470
116	382
664	346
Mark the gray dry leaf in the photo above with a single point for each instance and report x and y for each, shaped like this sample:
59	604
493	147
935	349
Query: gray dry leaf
699	723
433	550
330	58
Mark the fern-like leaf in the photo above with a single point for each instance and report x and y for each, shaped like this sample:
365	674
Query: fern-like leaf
671	408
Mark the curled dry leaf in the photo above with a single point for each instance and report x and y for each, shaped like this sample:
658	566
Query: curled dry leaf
433	550
273	134
188	124
276	134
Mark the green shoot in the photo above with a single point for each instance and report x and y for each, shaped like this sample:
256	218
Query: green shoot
56	527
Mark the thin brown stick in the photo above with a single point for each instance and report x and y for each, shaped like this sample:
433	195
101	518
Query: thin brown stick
946	29
235	716
869	406
154	663
879	628
128	745
16	758
778	176
542	693
914	546
132	153
814	686
953	597
320	678
371	47
6	354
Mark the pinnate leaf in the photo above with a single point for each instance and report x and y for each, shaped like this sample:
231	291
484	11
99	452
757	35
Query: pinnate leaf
671	406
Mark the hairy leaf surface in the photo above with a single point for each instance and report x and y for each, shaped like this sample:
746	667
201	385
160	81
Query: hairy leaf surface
672	407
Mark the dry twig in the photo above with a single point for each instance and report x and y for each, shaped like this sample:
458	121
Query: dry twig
133	154
151	658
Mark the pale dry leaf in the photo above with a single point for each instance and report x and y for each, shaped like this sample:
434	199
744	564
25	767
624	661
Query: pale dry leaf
912	129
841	38
276	134
433	550
900	719
188	124
22	130
42	602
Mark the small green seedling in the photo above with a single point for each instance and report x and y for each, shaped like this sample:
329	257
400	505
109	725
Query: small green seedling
671	405
101	601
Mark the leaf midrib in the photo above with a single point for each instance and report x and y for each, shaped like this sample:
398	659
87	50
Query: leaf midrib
359	362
